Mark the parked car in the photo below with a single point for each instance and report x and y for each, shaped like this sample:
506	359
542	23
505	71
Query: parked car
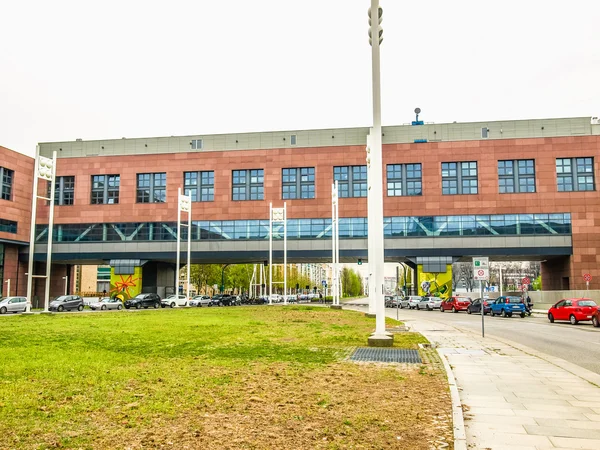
200	300
174	300
574	310
434	303
276	298
475	306
413	300
216	300
404	302
455	304
423	303
107	303
67	302
13	304
143	301
506	306
228	300
596	318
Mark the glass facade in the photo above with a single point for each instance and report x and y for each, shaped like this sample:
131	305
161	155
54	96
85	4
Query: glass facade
8	226
394	227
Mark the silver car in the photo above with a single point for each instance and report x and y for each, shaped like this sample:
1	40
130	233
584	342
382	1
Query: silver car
200	300
423	303
434	303
67	302
413	300
107	303
13	304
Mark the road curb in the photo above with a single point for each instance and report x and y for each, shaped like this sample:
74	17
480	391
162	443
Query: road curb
458	422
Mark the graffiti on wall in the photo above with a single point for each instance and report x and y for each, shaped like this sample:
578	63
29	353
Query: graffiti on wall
127	286
435	284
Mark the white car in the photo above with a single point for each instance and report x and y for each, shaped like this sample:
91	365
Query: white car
276	298
174	300
200	300
13	304
423	303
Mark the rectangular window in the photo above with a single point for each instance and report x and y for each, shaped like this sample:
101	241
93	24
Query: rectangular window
64	191
575	174
298	182
293	139
352	181
459	178
247	184
516	176
404	180
6	182
7	226
105	189
200	186
484	133
151	188
196	144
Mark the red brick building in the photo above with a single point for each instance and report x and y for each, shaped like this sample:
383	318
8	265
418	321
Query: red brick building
507	189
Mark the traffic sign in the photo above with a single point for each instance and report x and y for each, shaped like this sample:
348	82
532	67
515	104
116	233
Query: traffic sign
324	282
481	262
481	274
525	281
587	277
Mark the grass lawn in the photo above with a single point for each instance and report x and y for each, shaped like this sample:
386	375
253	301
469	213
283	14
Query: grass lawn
227	378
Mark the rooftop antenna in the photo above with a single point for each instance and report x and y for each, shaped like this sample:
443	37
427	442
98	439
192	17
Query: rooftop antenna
417	121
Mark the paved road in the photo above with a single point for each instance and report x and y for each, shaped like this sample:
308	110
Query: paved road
578	344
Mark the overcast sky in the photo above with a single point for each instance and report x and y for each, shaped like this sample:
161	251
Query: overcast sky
112	69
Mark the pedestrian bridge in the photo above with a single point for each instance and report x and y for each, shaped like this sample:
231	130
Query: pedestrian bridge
515	236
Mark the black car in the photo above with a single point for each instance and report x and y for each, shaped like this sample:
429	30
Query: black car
475	306
143	301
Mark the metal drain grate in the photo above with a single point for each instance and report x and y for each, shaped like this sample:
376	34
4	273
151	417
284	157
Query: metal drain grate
397	355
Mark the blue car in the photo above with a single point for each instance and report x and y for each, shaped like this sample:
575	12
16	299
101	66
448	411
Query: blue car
506	306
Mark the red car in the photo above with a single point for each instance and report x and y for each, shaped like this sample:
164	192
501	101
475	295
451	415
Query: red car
456	304
573	309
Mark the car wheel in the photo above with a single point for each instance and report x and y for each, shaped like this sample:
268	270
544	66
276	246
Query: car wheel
522	315
185	304
103	307
138	306
454	310
573	320
503	313
441	309
120	307
3	310
156	305
60	308
595	322
508	314
127	307
550	317
400	306
172	305
468	310
80	308
428	308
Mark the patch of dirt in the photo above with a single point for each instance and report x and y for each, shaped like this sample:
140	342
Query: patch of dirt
345	405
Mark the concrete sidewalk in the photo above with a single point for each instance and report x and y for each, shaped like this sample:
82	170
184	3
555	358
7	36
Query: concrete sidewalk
513	397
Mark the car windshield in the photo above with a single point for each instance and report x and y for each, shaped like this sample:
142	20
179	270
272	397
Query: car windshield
587	303
513	299
62	298
140	296
435	299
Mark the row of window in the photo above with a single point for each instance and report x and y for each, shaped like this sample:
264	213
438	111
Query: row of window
411	226
8	226
514	176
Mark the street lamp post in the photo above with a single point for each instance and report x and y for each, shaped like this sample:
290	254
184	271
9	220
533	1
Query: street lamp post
8	288
375	190
66	278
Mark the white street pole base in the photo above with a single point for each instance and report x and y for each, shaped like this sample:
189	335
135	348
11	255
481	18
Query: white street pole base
25	313
380	340
371	315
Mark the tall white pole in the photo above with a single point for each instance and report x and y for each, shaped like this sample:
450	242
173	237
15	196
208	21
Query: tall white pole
377	249
501	280
334	201
337	241
189	249
8	288
371	271
284	253
270	253
178	256
66	279
32	231
50	232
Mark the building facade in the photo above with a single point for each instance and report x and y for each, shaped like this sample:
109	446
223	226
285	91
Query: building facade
511	189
